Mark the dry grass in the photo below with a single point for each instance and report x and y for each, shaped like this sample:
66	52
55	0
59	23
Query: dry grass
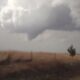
52	65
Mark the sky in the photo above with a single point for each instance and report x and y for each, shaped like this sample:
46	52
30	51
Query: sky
39	25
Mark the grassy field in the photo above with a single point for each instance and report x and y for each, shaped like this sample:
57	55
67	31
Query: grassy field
38	66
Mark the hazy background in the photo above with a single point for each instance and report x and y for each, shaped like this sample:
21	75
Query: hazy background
39	25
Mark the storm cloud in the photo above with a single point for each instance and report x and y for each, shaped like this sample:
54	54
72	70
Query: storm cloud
63	16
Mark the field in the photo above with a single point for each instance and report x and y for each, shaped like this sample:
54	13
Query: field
38	66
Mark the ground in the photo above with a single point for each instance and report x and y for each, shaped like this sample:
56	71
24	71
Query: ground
15	65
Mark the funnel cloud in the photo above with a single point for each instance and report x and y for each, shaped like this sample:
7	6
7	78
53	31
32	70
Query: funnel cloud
34	17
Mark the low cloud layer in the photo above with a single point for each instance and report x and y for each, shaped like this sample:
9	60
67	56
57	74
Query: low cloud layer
46	15
50	40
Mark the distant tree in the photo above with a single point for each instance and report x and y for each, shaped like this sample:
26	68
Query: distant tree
72	51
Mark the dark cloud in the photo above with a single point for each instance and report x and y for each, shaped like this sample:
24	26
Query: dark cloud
46	17
58	18
75	11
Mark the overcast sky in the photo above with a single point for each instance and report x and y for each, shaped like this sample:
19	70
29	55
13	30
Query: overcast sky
39	25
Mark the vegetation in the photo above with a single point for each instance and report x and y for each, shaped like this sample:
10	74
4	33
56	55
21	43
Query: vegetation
41	67
72	51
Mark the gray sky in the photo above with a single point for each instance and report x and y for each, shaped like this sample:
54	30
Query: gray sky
39	25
